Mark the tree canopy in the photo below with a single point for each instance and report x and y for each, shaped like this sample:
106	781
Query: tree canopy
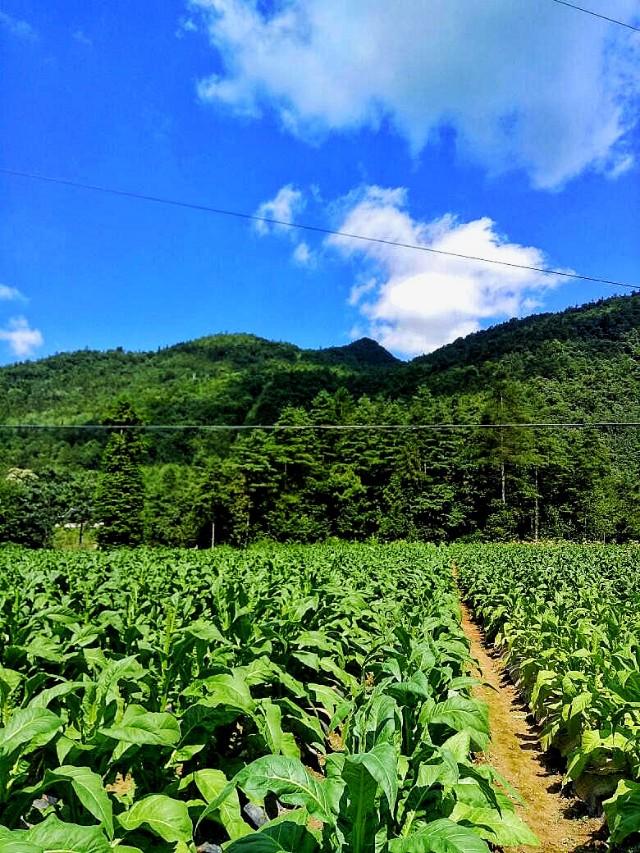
302	482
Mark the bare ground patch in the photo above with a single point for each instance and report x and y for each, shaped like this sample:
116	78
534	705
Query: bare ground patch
559	821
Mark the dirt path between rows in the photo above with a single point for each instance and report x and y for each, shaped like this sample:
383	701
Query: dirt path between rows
515	752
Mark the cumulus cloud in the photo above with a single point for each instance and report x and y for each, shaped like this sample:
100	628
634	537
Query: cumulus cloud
17	27
303	256
524	85
22	339
360	289
82	38
412	301
284	206
9	294
186	25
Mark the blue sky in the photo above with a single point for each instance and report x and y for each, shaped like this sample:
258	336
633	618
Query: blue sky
506	129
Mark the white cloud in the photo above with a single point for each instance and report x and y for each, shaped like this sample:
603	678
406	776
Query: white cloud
360	289
17	27
186	25
525	85
22	339
414	301
82	38
284	207
8	294
303	256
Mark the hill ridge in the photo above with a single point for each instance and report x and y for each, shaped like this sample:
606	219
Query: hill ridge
430	484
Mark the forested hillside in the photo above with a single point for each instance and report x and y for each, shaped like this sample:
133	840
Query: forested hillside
306	484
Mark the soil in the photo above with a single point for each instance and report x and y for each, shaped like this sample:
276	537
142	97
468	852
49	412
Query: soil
560	822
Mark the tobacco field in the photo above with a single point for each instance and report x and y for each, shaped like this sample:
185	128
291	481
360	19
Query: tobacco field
283	698
567	618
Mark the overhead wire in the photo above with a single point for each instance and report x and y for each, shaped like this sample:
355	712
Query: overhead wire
324	427
597	15
254	217
346	235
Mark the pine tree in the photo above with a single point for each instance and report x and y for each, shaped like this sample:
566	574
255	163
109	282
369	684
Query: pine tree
119	504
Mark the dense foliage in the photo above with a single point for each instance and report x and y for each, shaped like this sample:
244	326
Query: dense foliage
283	699
119	500
307	484
568	620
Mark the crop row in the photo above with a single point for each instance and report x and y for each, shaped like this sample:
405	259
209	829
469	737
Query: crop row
280	699
568	620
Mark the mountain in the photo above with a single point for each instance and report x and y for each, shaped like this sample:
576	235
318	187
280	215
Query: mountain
221	378
590	324
574	366
363	353
237	378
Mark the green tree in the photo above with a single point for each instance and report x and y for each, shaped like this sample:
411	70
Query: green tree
297	514
170	506
119	503
27	509
222	506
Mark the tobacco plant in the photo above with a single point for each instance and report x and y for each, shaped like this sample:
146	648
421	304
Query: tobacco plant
276	699
567	618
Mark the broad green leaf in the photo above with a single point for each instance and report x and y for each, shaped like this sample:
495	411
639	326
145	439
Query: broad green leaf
329	665
326	696
460	714
28	726
309	659
364	774
54	836
184	753
125	848
442	769
378	721
504	829
577	705
14	842
412	690
91	793
207	631
458	745
258	842
320	641
145	727
164	816
42	699
440	836
622	811
269	720
225	689
305	725
16	845
45	648
9	680
287	778
211	783
382	764
283	835
259	671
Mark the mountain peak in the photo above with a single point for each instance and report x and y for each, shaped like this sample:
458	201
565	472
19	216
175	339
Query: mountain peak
363	352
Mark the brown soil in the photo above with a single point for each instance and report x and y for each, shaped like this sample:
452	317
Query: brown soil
558	821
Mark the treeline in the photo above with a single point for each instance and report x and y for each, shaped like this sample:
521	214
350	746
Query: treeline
302	482
407	483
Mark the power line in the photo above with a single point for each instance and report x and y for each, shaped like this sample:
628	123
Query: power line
314	228
598	15
324	427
